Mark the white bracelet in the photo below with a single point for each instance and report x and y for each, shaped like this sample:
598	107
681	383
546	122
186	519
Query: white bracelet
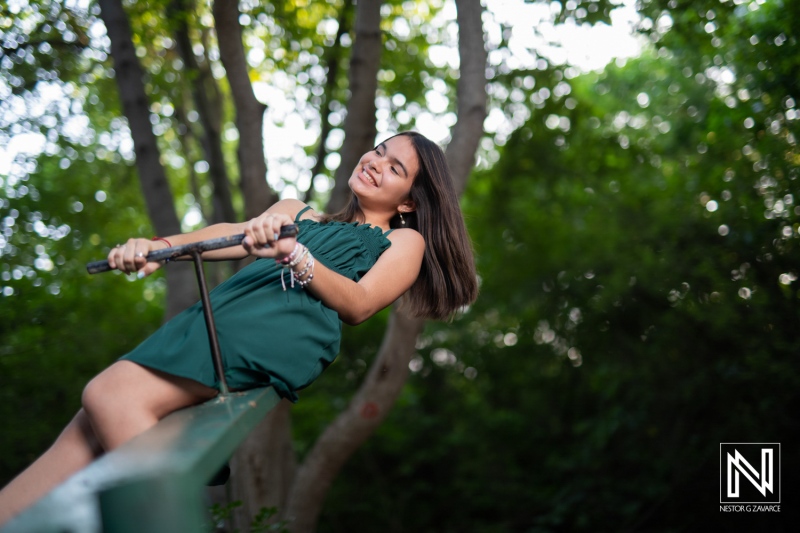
309	267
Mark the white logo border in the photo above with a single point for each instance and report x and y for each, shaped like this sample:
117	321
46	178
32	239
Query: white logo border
780	463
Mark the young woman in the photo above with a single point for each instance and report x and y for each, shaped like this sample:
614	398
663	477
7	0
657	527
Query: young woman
279	319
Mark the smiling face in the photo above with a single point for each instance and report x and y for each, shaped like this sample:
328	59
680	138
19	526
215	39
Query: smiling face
383	177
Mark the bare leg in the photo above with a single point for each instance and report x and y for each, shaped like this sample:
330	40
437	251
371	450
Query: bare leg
127	399
121	402
75	448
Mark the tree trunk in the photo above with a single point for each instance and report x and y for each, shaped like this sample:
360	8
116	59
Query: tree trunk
388	373
211	139
249	111
263	466
332	57
359	124
188	142
471	92
181	290
355	424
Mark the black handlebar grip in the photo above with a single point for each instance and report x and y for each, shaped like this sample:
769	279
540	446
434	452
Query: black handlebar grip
96	267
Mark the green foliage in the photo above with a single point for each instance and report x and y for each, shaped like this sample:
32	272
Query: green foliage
638	249
67	196
220	514
72	192
637	244
58	325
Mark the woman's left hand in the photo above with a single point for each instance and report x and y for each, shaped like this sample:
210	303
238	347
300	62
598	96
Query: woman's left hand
261	236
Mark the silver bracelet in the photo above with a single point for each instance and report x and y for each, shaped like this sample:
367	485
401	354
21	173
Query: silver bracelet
309	268
309	265
306	282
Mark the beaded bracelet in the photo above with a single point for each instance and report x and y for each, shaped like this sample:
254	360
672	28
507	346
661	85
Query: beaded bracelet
289	258
289	261
306	282
299	258
308	267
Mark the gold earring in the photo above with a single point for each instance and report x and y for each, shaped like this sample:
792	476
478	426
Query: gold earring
402	220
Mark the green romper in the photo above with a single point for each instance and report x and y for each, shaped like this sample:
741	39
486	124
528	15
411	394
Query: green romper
267	336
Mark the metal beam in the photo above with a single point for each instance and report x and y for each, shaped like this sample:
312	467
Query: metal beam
154	482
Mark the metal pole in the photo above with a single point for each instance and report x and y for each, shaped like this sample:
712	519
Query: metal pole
212	330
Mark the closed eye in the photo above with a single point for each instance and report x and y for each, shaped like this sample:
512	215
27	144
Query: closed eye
382	146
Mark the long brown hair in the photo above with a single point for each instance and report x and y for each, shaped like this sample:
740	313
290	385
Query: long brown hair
447	280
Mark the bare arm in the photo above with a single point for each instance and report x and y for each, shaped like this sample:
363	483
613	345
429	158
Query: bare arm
130	256
393	274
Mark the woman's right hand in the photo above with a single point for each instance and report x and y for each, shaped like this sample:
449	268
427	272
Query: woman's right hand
261	236
130	257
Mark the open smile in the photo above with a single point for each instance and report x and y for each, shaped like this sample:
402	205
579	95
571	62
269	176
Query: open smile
366	176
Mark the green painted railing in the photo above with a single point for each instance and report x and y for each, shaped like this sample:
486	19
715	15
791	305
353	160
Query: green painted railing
155	482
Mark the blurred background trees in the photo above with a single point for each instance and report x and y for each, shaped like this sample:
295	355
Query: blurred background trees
636	232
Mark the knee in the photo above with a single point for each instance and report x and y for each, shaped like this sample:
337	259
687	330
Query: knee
108	391
97	396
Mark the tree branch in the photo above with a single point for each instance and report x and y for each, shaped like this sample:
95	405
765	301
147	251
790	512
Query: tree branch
359	124
178	13
355	424
471	91
333	56
389	372
249	111
157	195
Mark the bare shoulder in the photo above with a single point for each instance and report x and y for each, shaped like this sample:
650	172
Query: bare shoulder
407	238
290	207
402	260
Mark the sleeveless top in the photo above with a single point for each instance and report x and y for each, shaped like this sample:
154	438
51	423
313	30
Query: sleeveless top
267	336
